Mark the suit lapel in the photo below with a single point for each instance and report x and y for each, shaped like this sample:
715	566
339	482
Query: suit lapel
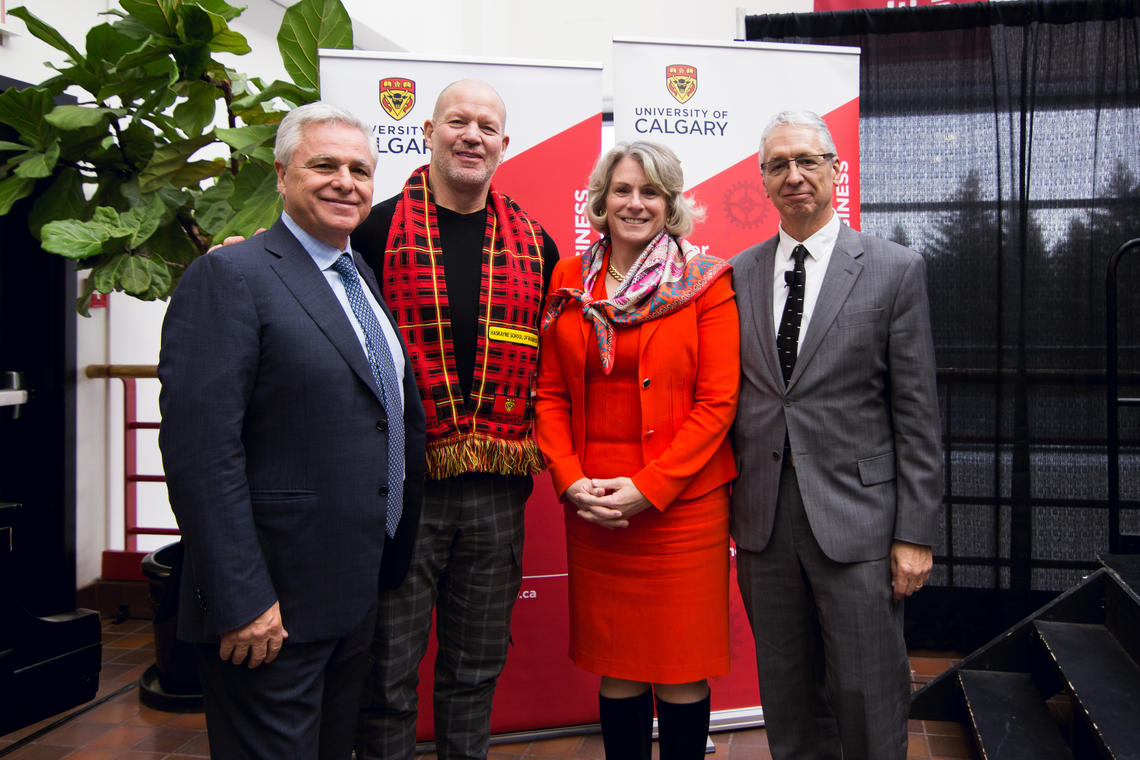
842	271
308	285
761	307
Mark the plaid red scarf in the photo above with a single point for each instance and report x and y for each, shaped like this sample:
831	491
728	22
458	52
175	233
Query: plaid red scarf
493	434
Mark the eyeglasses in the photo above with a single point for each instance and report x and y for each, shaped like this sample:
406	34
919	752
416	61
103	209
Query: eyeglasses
803	163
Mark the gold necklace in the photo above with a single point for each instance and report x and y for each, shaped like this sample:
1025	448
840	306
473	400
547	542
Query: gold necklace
615	273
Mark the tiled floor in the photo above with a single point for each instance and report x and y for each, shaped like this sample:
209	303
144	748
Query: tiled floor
115	725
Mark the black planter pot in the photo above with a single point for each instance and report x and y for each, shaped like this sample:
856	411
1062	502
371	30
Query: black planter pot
171	684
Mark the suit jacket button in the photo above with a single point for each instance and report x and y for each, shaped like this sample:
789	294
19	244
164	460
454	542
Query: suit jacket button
382	426
383	492
645	383
776	455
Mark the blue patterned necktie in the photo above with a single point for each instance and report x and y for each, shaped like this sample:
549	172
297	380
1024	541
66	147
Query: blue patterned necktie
384	373
788	336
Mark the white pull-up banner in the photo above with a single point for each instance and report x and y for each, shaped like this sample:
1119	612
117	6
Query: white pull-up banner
554	121
709	101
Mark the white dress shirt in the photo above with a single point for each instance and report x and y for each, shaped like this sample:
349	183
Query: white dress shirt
819	247
325	255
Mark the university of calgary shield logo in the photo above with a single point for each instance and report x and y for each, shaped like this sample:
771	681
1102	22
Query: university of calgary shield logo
397	96
681	81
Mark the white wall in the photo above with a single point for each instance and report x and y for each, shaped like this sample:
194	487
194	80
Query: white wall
127	332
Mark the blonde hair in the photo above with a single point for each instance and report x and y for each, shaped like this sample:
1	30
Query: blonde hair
663	170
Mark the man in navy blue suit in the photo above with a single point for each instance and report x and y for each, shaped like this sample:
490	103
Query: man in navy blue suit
292	440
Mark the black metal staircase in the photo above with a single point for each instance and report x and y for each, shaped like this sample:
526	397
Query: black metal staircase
1061	684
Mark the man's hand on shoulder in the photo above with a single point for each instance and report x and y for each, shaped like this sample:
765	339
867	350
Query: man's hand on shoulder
231	240
910	567
261	639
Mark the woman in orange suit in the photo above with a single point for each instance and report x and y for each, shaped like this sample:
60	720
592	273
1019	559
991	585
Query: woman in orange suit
638	381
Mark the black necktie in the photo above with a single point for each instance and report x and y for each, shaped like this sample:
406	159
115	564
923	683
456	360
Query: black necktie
787	338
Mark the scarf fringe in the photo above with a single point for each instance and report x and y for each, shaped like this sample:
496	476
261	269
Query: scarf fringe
458	455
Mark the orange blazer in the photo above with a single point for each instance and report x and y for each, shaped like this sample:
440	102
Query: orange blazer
689	365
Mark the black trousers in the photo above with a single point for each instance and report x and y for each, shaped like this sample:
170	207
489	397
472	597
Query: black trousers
301	706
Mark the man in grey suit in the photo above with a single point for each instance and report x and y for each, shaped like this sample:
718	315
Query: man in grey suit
837	439
293	442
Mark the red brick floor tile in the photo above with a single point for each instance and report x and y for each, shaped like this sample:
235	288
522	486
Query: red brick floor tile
124	737
916	746
190	721
165	740
40	752
92	753
76	733
198	746
950	747
148	716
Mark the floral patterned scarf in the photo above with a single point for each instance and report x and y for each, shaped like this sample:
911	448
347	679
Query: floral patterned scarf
668	274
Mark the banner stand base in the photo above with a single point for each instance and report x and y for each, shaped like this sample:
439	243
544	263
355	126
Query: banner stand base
721	720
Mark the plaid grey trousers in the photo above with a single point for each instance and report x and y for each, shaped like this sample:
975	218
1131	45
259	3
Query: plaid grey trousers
467	564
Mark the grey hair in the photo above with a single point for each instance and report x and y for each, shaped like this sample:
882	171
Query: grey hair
290	130
808	119
663	170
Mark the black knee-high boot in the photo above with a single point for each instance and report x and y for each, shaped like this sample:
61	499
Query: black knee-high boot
682	729
627	726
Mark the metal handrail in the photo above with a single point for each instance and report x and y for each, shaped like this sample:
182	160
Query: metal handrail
124	565
1118	543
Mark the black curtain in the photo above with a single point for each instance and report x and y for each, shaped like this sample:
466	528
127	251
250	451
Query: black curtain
1002	142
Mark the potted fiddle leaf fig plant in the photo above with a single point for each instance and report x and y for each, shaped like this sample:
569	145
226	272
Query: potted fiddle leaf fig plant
135	179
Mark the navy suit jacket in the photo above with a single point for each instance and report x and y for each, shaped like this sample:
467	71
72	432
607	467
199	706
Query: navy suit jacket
274	441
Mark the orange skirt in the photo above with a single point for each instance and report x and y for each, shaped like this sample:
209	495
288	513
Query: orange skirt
650	602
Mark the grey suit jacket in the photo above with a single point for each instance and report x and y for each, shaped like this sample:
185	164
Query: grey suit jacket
274	440
860	410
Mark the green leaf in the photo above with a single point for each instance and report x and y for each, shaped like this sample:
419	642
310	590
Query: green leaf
83	302
135	275
159	16
36	164
167	160
64	199
221	8
5	145
105	276
171	244
145	220
46	33
13	189
229	41
197	111
307	26
161	279
192	174
24	111
258	209
194	24
107	44
212	208
284	90
193	59
73	238
76	117
246	140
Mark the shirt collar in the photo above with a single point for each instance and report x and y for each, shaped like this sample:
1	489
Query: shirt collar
819	245
321	252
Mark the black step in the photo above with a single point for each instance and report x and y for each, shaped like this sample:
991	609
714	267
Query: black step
1009	717
1104	680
